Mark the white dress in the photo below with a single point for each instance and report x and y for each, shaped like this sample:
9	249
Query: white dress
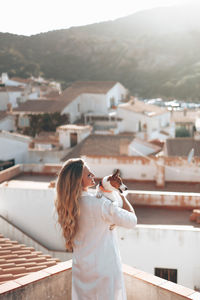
96	267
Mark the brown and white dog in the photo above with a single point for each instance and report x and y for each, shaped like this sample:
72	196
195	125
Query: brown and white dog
112	187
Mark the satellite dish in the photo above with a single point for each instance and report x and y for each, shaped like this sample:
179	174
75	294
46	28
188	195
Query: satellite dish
190	155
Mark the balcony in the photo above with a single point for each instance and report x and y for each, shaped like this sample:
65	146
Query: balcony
55	283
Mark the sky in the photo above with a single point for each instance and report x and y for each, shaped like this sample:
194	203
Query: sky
30	17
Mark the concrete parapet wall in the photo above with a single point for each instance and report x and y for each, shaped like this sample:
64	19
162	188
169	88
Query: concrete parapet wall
12	232
55	283
10	173
171	199
50	283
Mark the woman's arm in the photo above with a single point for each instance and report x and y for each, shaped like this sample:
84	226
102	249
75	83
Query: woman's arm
126	205
113	214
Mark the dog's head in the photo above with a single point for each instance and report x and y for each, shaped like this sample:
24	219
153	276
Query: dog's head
116	182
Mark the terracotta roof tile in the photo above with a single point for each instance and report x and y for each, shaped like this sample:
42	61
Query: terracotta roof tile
97	144
12	88
68	95
23	80
36	106
17	260
182	146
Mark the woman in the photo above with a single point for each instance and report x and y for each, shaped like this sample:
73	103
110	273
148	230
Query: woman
85	221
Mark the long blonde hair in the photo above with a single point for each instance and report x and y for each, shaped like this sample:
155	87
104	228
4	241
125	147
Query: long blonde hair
69	187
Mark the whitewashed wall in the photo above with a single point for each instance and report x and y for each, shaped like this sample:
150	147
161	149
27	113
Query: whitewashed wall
72	110
13	148
37	156
130	169
4	100
11	82
149	247
154	123
31	208
64	135
139	168
8	123
118	92
93	103
146	247
13	98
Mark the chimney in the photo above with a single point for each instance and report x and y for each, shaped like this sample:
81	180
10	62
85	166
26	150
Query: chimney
9	107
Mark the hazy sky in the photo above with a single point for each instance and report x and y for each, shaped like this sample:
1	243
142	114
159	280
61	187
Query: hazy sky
34	16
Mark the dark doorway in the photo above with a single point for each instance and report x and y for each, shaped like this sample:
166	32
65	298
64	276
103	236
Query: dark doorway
73	139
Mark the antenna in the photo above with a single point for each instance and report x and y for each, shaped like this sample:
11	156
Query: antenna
190	155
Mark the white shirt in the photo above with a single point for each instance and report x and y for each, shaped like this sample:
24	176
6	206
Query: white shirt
96	268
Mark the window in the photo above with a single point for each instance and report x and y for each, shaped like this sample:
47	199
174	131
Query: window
112	102
168	274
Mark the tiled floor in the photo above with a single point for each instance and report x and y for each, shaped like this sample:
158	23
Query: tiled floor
164	216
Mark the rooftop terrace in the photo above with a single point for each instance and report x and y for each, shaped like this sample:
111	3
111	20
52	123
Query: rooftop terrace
55	283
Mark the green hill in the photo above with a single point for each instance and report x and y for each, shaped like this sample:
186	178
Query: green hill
154	53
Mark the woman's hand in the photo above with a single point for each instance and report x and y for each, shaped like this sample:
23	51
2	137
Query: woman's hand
126	205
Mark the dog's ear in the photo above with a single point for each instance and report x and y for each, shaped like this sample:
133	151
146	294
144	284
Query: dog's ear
116	173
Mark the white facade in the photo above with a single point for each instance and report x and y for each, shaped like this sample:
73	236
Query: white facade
4	100
65	132
73	109
14	97
95	103
11	82
4	77
140	168
13	146
158	246
8	123
138	122
30	207
116	94
38	156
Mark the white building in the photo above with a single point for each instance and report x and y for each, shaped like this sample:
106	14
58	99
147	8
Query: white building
14	146
71	135
7	121
94	97
13	95
148	121
27	201
81	98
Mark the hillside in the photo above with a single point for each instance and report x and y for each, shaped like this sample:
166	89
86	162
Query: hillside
155	53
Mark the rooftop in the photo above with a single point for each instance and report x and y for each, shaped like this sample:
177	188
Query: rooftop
137	106
36	106
97	144
17	260
12	89
55	283
163	216
66	97
182	146
184	116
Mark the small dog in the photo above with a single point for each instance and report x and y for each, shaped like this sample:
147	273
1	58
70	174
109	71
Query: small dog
111	187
